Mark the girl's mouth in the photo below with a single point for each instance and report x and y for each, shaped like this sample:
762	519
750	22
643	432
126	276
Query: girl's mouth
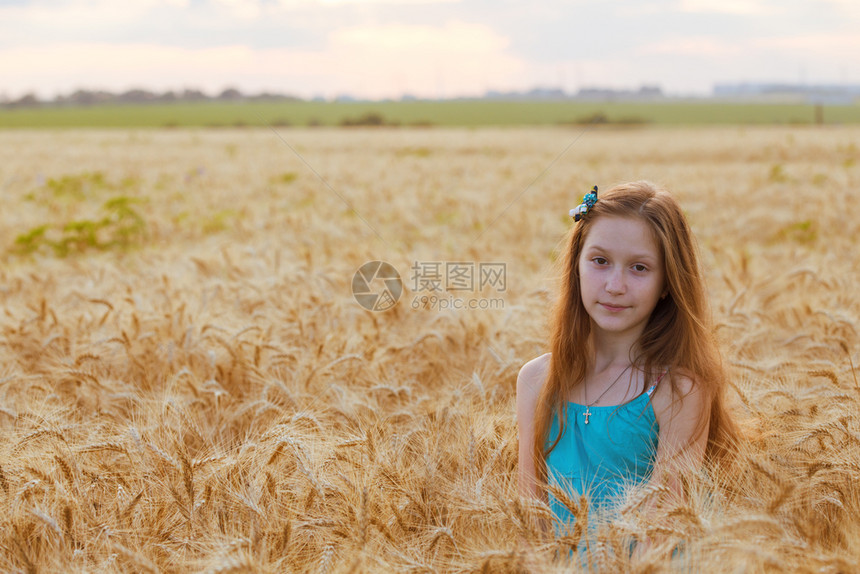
613	308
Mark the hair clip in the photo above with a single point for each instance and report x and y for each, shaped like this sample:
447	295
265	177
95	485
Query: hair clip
588	202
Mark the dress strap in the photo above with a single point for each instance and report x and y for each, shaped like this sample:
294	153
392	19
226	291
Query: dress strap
651	389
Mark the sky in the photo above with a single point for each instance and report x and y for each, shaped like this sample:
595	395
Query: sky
429	49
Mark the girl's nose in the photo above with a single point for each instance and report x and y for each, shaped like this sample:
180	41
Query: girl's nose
615	282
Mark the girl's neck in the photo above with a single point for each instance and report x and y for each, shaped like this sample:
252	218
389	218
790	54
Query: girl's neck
609	351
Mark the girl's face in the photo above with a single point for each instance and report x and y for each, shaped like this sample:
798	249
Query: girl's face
621	275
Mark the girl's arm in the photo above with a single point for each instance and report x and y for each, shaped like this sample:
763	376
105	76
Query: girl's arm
529	384
682	412
683	417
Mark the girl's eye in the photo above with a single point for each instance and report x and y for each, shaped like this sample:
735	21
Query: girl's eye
640	268
600	260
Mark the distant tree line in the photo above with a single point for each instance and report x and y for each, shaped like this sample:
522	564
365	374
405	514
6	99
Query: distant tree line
82	97
139	96
817	94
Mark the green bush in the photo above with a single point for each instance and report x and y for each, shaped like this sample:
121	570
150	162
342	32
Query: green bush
120	227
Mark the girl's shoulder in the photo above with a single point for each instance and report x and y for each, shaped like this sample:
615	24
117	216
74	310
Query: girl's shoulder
532	376
672	390
674	381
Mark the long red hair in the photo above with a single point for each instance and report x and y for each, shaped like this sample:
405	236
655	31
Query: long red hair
678	334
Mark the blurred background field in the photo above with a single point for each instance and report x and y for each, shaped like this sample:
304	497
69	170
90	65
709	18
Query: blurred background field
450	113
187	384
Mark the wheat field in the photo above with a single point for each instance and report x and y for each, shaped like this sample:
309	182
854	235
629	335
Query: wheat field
188	385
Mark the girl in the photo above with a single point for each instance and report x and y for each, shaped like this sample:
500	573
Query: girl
633	384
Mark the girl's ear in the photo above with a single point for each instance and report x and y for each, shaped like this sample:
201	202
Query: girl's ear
665	292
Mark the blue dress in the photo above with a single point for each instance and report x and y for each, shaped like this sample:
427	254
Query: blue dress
600	459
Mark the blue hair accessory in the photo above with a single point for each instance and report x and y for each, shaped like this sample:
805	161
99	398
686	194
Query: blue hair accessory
588	202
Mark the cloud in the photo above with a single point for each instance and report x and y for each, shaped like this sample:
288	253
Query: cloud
824	58
205	23
43	22
705	46
456	58
739	7
847	46
444	41
63	67
368	61
390	2
850	8
241	9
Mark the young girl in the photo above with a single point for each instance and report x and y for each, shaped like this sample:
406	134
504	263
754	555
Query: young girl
632	390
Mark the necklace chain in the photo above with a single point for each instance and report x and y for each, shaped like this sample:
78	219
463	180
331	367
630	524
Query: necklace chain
588	406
